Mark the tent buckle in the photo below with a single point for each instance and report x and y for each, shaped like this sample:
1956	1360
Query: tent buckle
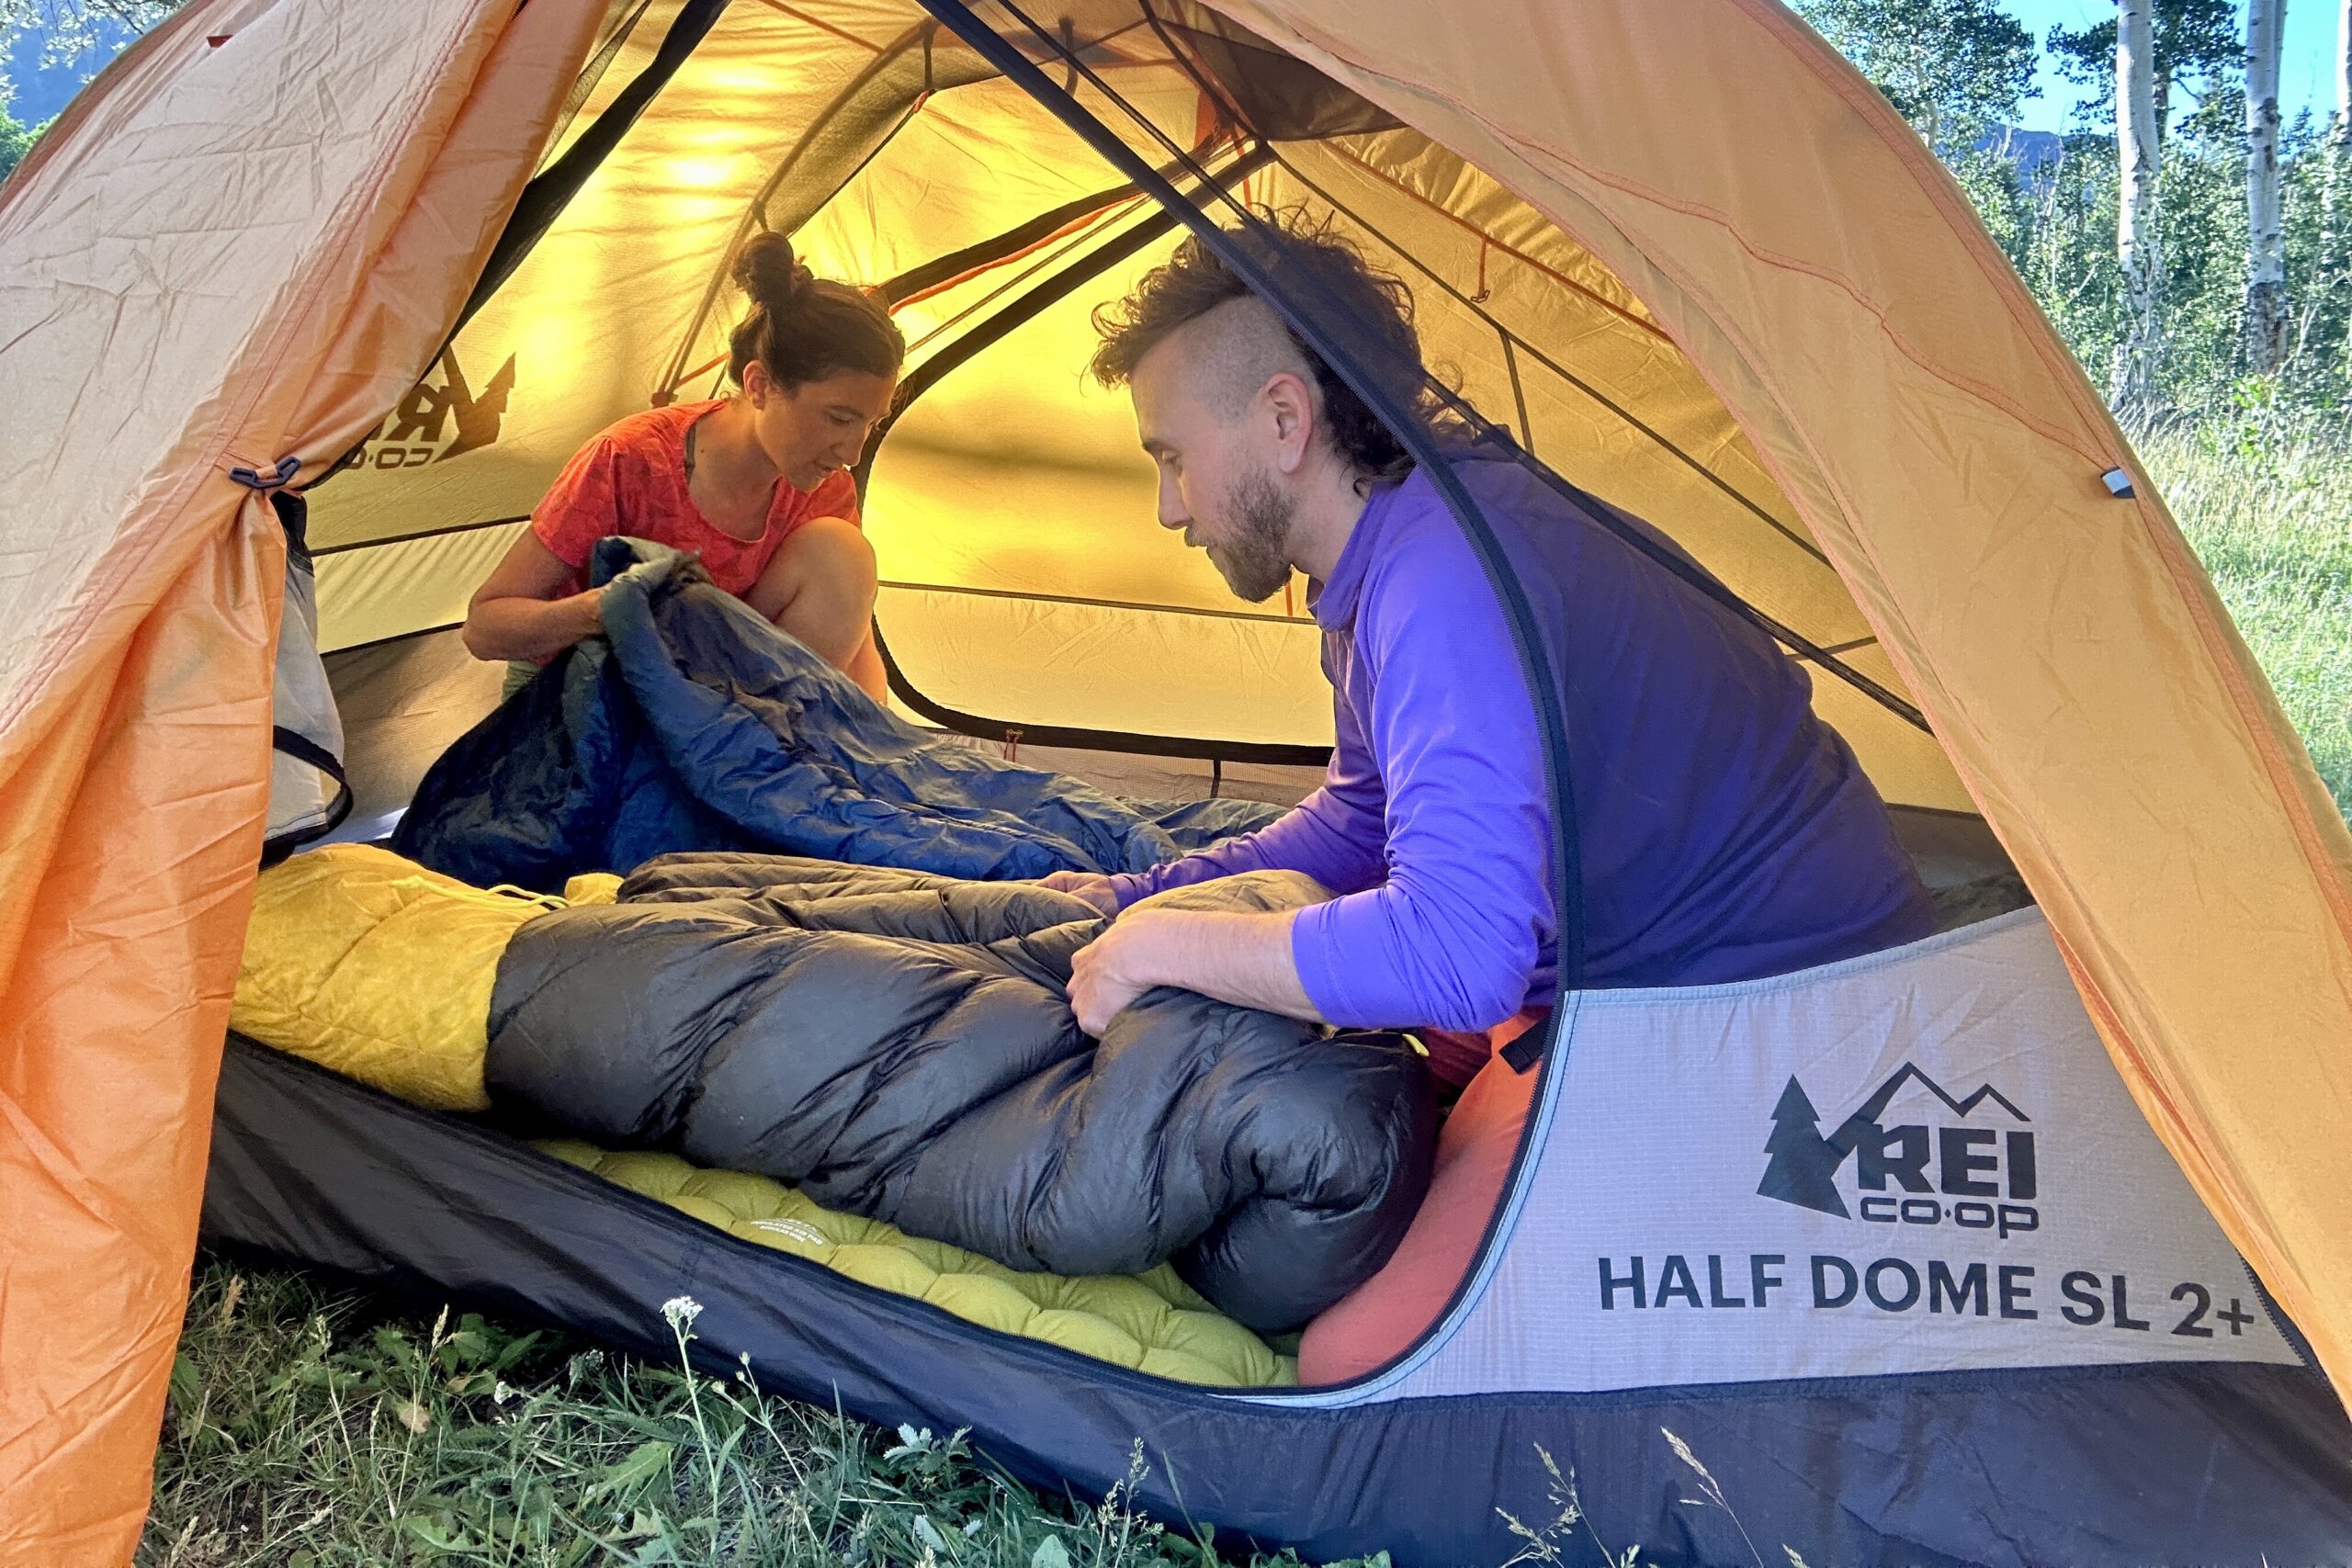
256	479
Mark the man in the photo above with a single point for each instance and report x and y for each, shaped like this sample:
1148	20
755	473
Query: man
1722	832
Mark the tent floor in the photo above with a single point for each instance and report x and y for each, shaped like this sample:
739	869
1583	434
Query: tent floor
2202	1463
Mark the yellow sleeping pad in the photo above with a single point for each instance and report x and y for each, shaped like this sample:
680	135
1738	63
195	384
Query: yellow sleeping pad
1153	1322
381	970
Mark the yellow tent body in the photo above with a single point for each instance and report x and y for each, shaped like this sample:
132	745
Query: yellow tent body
1681	251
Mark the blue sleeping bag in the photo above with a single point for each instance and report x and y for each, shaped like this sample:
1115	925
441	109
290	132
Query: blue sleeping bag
694	723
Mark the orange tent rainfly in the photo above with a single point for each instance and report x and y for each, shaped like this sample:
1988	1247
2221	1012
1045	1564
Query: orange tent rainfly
364	277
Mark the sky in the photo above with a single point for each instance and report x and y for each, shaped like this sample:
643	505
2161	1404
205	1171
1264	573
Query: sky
2306	66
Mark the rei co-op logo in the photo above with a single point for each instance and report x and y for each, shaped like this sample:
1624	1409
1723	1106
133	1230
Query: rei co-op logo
441	418
1967	1163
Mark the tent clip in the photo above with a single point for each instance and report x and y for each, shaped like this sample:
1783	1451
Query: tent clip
254	479
2118	484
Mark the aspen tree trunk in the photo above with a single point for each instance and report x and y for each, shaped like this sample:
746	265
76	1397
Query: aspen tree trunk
2344	76
2342	137
2334	312
2266	287
2132	386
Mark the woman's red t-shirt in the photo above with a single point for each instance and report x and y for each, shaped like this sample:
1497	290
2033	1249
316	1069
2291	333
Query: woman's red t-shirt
632	479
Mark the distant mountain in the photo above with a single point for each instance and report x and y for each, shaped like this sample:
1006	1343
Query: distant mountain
2030	150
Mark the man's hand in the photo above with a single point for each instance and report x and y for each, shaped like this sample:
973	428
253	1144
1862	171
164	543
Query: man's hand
1108	974
1243	959
1090	885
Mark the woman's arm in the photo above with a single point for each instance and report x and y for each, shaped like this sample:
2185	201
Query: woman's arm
522	612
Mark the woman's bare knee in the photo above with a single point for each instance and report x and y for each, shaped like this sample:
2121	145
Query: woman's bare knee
821	587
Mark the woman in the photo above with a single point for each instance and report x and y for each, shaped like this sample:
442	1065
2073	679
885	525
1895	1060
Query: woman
756	484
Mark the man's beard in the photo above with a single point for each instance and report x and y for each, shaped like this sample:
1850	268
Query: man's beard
1255	560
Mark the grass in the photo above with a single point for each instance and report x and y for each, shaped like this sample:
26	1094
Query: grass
2267	505
316	1429
310	1429
313	1430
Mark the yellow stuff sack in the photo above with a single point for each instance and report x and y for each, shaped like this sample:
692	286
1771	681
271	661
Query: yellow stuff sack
373	966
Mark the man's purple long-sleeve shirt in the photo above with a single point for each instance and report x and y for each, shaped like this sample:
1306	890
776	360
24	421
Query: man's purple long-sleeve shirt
1724	831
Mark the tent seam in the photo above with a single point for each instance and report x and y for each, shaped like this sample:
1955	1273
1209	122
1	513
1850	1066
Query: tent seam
1508	249
799	15
1772	258
1955	380
1909	150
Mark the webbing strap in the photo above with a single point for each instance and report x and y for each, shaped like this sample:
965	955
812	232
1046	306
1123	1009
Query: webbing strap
302	749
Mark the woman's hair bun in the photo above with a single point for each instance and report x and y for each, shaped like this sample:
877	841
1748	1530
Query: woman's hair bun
802	328
766	270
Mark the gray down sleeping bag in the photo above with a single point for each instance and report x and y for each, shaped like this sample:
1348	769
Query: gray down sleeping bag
901	1046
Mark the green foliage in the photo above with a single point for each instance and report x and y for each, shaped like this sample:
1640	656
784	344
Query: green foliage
1955	69
311	1430
2058	228
2196	41
15	140
67	27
